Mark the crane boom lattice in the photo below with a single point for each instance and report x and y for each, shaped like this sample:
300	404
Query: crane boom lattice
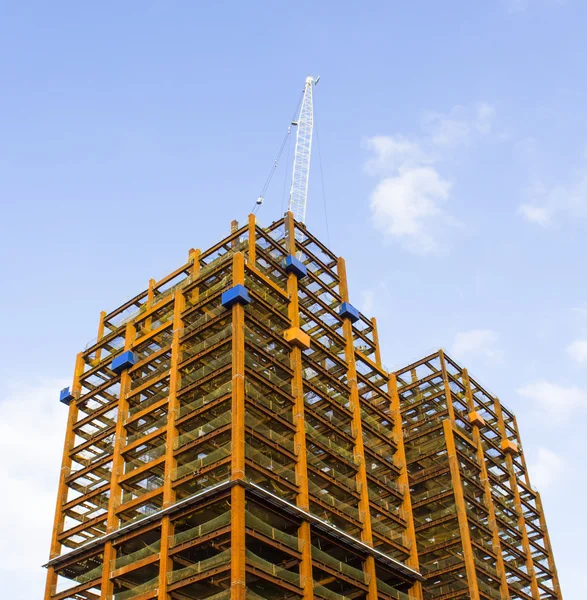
301	167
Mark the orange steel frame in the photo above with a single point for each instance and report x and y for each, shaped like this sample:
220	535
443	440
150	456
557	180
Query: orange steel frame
480	527
251	452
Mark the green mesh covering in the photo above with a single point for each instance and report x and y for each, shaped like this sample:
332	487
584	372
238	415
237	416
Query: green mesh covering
206	343
284	384
268	345
269	433
127	559
392	592
268	463
195	404
323	592
158	424
190	376
194	434
90	575
342	399
268	295
147	456
144	375
267	567
252	596
325	497
331	472
203	320
199	463
225	595
326	441
377	426
261	398
148	402
275	534
139	589
420	519
385	530
325	558
202	529
486	589
199	567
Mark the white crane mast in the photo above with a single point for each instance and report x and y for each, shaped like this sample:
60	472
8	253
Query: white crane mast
298	195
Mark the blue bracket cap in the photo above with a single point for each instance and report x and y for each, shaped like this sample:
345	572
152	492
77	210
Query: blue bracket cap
65	396
348	311
235	295
123	361
292	265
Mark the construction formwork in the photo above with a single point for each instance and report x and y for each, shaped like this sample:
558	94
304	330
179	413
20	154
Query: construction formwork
479	523
233	434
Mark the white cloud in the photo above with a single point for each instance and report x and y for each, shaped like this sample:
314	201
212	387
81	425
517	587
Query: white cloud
546	204
536	214
460	125
407	206
555	403
32	428
546	468
578	351
476	342
407	203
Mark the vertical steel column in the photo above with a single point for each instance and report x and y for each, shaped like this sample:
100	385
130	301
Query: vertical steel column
252	240
238	562
551	563
59	519
503	587
359	451
457	486
547	544
518	505
117	468
165	563
303	498
416	592
376	340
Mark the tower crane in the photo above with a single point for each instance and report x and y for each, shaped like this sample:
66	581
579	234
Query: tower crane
298	195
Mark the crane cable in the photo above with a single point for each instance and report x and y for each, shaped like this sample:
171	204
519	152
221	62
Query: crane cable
293	121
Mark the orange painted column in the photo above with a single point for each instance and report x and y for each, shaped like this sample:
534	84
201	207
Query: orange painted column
303	498
165	562
403	480
457	487
518	506
117	470
359	451
503	587
238	558
59	519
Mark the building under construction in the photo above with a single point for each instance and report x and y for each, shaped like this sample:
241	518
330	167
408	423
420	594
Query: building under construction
232	434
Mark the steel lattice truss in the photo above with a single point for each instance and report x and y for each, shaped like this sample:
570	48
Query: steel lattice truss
256	450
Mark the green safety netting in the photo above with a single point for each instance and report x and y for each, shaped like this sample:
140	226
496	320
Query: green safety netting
200	530
326	559
139	589
199	463
200	567
271	569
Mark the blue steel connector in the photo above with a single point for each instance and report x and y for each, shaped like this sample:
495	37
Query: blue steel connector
123	361
292	265
348	311
235	295
65	396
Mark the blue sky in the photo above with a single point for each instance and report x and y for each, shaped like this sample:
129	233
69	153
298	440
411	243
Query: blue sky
453	140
